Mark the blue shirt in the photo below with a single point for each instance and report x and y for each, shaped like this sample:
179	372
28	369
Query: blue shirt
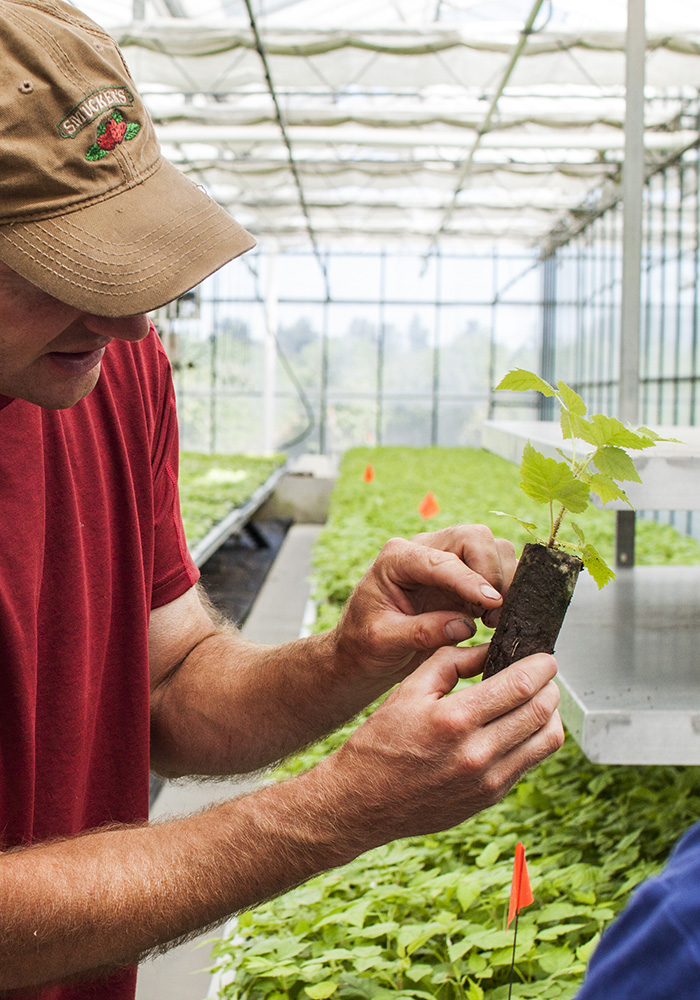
652	950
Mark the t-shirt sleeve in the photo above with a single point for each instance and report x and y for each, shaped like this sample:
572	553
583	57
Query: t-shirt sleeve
174	570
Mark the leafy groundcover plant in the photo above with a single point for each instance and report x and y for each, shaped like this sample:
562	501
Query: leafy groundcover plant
426	917
213	485
598	464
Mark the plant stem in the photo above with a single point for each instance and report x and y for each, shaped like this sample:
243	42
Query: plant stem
555	528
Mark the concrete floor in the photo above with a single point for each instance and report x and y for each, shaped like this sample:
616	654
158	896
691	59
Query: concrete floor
277	616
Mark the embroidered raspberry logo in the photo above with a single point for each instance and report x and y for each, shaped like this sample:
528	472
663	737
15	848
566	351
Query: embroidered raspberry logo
110	133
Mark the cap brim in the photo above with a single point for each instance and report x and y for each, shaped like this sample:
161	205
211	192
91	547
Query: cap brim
128	253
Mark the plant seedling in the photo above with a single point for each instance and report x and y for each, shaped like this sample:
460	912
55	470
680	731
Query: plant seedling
544	582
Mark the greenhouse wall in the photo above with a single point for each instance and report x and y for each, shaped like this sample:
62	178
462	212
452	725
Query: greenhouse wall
583	290
293	350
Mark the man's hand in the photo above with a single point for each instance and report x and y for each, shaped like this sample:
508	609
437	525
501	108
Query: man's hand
420	595
427	759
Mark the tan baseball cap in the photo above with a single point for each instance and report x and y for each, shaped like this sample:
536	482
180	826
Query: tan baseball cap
90	211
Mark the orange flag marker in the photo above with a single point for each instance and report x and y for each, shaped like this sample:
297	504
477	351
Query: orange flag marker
428	507
368	474
520	891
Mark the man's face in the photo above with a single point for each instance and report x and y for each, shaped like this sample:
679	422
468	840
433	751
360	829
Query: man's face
50	353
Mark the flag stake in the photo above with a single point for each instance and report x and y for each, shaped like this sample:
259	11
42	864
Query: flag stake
512	961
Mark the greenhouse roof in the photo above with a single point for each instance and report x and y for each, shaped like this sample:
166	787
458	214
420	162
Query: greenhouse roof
401	120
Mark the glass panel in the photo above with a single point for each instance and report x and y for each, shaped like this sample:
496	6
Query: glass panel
408	349
354	277
467	279
410	279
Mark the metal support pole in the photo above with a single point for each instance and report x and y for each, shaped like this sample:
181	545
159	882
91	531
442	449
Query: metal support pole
549	307
381	343
270	353
632	192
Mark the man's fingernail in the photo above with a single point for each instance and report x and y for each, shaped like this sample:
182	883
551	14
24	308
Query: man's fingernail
459	629
490	592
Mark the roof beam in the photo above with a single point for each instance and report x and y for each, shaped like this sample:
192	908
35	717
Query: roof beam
515	55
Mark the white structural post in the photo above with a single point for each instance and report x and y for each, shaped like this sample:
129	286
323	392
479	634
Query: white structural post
632	193
271	319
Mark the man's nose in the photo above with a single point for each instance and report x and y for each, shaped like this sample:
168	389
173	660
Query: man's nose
119	328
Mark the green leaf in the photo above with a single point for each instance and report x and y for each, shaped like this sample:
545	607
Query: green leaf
547	481
321	990
605	488
572	401
520	380
467	892
578	532
410	938
488	856
596	566
555	959
616	463
528	525
601	430
559	930
418	971
458	949
132	129
117	115
646	432
584	951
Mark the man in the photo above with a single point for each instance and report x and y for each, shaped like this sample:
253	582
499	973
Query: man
107	648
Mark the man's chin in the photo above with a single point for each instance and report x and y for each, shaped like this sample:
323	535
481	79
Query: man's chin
52	394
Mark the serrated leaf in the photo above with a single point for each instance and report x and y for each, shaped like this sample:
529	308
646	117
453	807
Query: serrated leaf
525	524
548	481
578	532
610	430
575	426
521	380
647	432
596	566
606	489
572	401
614	462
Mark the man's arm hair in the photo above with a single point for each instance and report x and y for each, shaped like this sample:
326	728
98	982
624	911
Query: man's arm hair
223	705
428	758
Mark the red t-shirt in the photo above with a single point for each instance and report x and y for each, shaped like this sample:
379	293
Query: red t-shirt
91	539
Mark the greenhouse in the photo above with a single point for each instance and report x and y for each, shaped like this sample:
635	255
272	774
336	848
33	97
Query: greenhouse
474	299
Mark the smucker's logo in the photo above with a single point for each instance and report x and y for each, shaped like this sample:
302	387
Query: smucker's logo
111	131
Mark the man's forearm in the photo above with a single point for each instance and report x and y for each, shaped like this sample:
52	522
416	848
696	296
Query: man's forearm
234	706
429	757
100	901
